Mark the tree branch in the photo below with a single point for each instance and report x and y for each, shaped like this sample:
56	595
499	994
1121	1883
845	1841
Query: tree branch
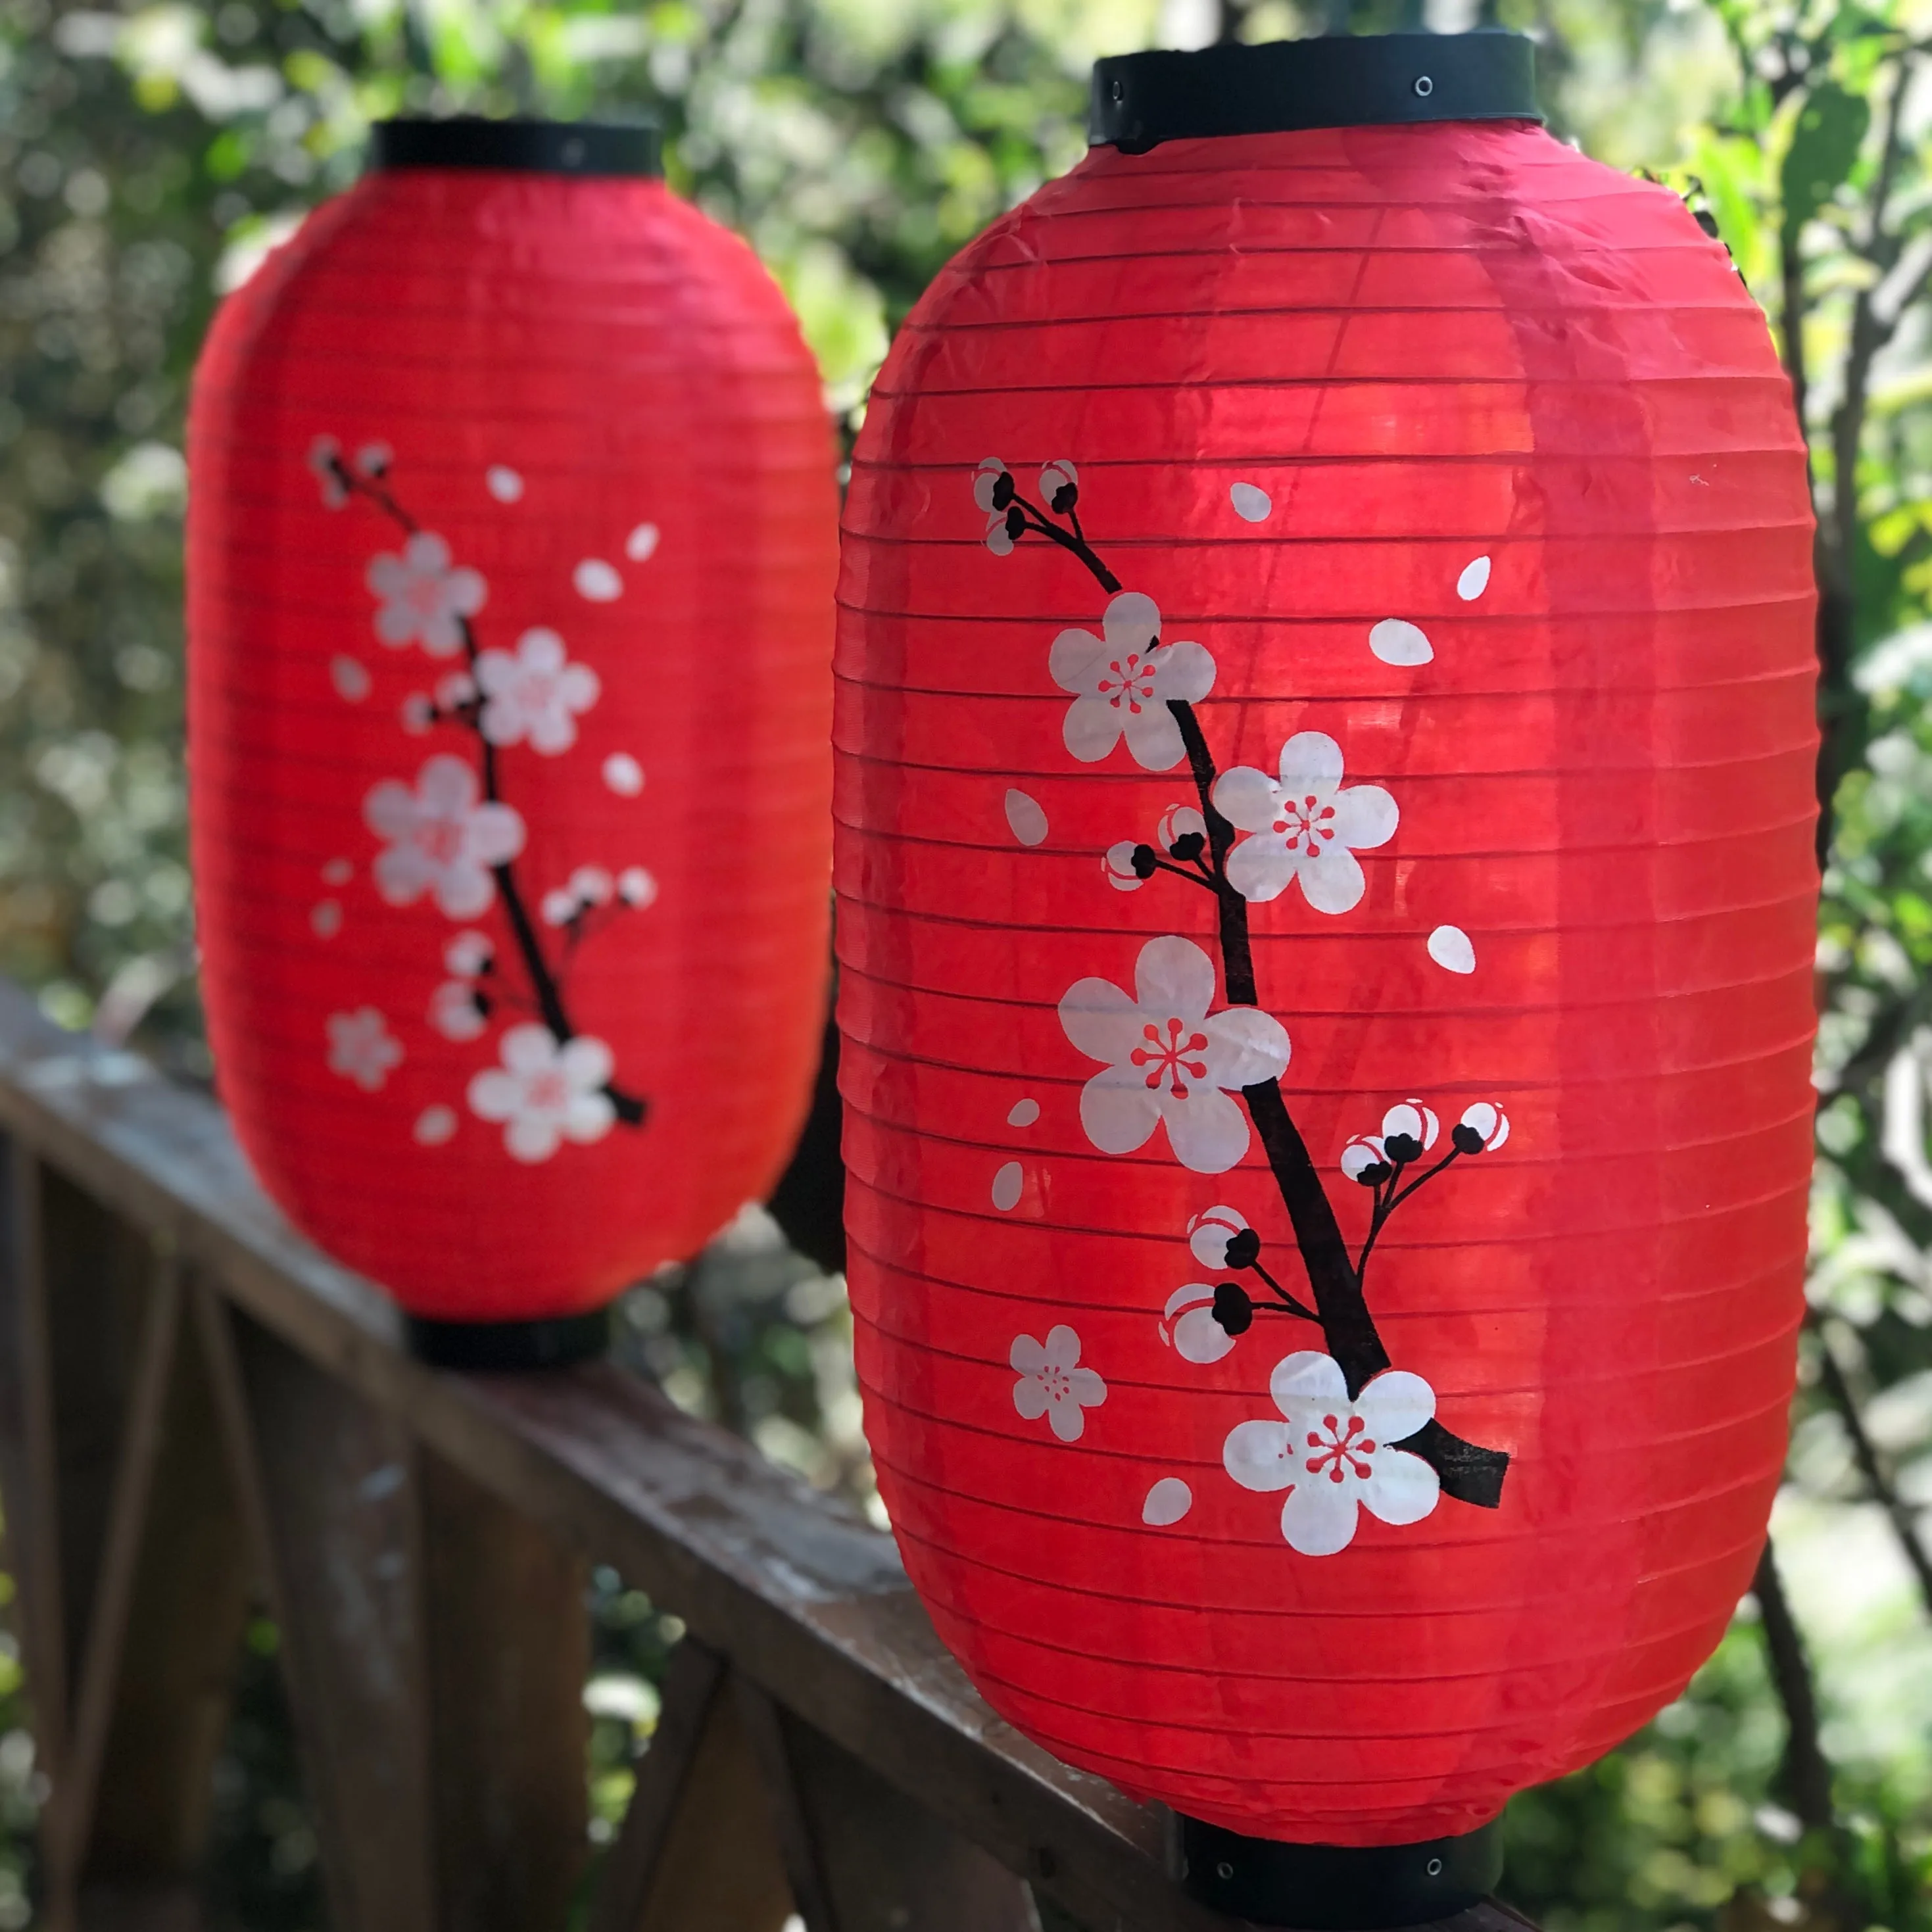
1806	1774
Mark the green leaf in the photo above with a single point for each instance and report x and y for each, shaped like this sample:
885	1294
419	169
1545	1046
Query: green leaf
1831	129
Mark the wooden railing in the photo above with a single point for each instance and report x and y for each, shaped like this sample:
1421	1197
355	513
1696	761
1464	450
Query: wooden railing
194	1402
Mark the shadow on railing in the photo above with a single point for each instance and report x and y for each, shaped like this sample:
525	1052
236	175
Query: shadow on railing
191	1397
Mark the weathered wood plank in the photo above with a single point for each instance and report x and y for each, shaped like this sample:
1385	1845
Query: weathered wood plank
693	1851
507	1635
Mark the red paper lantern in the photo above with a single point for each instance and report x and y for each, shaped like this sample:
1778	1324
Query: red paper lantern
510	556
1326	743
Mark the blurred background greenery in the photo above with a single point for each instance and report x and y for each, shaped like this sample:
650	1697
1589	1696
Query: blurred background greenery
149	154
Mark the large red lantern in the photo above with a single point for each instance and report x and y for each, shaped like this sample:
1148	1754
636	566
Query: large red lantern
510	552
1325	810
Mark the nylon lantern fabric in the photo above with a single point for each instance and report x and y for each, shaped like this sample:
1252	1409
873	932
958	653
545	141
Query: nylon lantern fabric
511	548
1325	742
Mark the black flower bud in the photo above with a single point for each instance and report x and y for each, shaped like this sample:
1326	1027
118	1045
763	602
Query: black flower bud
1145	861
1015	516
1402	1148
1232	1308
1244	1249
1064	498
481	1001
1374	1174
1003	494
1188	846
1467	1140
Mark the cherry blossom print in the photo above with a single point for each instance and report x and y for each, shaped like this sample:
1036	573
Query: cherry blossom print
1335	1456
536	694
468	954
434	1126
1210	1231
636	887
559	906
1122	683
423	600
325	460
987	489
1188	1327
597	582
1167	1060
1252	503
503	483
1060	487
1482	1128
1396	641
1118	863
338	872
361	1048
350	677
1025	819
1474	580
1305	826
1167	1502
1008	1186
591	885
1179	826
641	545
373	459
1450	948
1052	1384
1024	1114
545	1094
1410	1121
623	775
418	714
1365	1158
453	1010
442	838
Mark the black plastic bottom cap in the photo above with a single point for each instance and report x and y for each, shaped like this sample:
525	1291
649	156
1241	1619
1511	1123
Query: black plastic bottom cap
1338	1888
553	1343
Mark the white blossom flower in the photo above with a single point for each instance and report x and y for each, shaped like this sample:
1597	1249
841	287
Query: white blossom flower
1334	1456
636	887
442	838
418	713
467	954
1167	1060
559	906
545	1094
1123	681
1177	822
324	459
1059	486
361	1049
424	601
1412	1118
591	885
985	481
1303	826
1488	1123
1188	1326
1363	1152
1210	1231
373	459
537	694
1117	863
453	1010
1052	1384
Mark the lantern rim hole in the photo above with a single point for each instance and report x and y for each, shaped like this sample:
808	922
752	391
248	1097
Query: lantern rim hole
1333	80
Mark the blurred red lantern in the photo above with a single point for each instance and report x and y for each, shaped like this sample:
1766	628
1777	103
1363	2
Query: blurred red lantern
1325	849
510	556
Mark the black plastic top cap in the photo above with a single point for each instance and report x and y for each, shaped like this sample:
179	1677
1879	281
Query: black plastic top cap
536	147
1340	80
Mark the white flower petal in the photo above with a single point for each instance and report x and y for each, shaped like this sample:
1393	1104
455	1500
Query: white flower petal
447	785
1401	1488
1474	580
496	834
1152	737
1184	671
1100	1020
1030	1399
1118	1112
541	649
1199	1337
1332	881
1167	1502
1318	1516
1397	642
1063	1347
1307	1377
1132	623
1245	1047
1311	766
531	1137
1027	1355
462	892
1077	662
1248	799
1093	728
1067	1419
588	1117
1252	504
528	1049
586	1062
1365	816
1089	1391
494	1095
1395	1404
1260	868
1025	819
1450	948
1259	1455
1207	1131
1173	977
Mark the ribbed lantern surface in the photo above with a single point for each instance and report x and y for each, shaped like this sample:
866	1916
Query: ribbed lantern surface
1325	812
510	549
